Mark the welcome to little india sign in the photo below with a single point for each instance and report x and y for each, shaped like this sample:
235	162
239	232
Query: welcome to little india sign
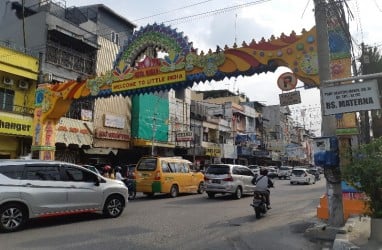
352	97
149	81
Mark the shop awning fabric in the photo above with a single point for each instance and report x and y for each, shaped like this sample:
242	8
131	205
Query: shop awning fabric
76	132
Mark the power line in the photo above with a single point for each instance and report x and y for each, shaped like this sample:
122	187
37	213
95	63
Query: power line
169	11
213	12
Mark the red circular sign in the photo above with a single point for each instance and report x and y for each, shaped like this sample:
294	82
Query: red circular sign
287	81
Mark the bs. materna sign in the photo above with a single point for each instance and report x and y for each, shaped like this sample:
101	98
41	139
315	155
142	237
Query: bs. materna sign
351	97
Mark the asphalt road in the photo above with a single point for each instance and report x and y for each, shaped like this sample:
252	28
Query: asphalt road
190	221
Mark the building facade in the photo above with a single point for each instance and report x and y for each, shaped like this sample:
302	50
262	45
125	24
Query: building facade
18	79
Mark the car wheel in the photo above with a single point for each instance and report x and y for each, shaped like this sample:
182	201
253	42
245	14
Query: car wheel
114	206
174	191
238	193
201	188
211	195
12	217
292	182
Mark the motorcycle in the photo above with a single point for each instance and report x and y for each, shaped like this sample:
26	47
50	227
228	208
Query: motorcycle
130	184
259	203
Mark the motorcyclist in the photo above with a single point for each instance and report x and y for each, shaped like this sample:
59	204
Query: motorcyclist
106	171
263	183
118	174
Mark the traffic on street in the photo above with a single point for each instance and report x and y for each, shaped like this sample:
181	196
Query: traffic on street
189	221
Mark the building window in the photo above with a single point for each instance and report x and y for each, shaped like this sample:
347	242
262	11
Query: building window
6	99
112	36
116	39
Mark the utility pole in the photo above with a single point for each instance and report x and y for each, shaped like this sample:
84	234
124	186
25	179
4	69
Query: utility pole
365	124
328	126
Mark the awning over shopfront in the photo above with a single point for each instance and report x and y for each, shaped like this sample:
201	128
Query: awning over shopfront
145	143
76	132
100	151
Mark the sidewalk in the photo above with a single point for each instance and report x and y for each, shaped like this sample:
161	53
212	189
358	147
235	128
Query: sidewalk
356	235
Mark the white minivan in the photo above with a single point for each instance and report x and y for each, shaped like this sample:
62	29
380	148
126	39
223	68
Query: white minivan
228	179
37	189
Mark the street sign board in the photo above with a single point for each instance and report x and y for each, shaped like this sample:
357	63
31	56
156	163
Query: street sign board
352	97
290	98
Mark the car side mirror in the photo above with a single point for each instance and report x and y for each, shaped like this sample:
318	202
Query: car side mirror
97	181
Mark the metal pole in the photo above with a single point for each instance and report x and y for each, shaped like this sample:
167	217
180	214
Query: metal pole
153	136
328	126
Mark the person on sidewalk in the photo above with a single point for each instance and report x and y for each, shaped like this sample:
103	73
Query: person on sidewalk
263	183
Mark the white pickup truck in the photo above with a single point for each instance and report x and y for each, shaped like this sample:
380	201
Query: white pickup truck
285	172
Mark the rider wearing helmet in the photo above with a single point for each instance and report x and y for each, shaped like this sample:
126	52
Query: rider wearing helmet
118	174
263	183
106	171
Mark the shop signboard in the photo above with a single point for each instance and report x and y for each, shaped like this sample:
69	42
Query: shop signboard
16	124
184	136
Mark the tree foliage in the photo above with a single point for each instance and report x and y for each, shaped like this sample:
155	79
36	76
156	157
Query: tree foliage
365	173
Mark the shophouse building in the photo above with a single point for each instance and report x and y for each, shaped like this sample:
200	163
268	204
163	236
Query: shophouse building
76	43
18	78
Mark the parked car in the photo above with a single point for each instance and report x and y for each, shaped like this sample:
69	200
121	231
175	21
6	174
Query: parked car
35	189
128	171
302	175
228	179
169	175
255	169
272	172
92	168
284	172
315	172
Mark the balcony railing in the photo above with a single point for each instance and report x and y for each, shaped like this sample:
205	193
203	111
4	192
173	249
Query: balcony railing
22	110
69	59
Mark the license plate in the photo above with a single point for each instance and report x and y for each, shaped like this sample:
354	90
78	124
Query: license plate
215	181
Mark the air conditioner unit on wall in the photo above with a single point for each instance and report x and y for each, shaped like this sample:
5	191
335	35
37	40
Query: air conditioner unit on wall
7	81
48	77
23	84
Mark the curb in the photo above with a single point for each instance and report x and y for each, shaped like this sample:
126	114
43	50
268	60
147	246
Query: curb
352	226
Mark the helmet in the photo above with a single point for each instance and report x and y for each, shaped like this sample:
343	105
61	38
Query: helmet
106	168
118	169
264	171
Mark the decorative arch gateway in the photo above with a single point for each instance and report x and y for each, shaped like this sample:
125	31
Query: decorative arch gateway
182	67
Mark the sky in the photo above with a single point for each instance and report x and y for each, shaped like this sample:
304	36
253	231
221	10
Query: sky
239	20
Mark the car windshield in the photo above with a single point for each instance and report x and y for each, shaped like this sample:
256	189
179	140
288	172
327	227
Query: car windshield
147	164
298	172
218	169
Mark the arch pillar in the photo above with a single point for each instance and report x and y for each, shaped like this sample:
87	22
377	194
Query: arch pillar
45	121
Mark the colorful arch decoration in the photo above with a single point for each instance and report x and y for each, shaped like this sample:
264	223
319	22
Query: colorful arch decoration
182	67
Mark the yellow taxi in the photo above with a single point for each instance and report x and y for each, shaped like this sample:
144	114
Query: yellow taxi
168	175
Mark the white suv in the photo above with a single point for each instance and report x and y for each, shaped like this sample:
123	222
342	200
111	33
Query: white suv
35	188
302	175
228	178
